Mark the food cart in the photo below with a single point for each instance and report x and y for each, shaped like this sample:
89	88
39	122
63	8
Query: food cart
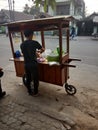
54	72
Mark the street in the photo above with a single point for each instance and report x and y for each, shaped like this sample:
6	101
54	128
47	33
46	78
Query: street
5	51
83	48
86	49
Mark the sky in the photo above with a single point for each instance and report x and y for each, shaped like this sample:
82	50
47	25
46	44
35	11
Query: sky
18	6
91	5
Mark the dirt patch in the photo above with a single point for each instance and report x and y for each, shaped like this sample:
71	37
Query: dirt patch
82	108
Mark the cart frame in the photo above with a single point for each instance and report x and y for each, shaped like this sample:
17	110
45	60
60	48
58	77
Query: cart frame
55	74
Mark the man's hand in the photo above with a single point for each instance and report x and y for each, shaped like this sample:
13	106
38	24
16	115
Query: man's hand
38	54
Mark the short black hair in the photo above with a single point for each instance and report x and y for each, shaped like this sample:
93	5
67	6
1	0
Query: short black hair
28	32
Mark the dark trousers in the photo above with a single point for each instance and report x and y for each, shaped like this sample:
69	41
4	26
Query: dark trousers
32	75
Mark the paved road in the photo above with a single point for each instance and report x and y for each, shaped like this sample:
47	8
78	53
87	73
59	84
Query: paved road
86	49
83	47
5	51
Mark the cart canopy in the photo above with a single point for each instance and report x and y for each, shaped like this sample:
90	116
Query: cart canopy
44	24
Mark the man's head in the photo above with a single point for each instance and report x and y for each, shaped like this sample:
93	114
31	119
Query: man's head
28	33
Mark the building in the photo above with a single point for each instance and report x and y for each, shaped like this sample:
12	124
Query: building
9	16
88	25
67	7
75	8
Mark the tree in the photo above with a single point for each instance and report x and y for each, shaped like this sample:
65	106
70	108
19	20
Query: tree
26	9
45	3
34	10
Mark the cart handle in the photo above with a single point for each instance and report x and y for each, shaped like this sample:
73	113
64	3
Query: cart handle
70	59
67	65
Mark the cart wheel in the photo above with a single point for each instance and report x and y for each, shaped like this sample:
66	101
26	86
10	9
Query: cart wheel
24	79
70	89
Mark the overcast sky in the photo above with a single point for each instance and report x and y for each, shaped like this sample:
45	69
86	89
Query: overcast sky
91	5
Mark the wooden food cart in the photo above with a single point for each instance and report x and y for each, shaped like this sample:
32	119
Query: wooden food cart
57	73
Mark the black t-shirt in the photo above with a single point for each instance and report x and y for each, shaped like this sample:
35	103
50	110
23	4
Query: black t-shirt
28	49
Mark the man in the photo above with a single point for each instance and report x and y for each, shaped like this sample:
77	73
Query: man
2	93
29	49
72	32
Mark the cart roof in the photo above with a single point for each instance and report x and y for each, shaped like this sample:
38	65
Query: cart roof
50	23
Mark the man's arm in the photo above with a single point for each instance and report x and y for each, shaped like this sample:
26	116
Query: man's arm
41	50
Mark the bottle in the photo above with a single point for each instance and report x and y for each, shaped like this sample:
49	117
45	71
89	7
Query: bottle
58	50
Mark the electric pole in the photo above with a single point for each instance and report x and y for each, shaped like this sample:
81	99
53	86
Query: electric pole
11	9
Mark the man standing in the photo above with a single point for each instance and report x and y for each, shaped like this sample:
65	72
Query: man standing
29	49
72	32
